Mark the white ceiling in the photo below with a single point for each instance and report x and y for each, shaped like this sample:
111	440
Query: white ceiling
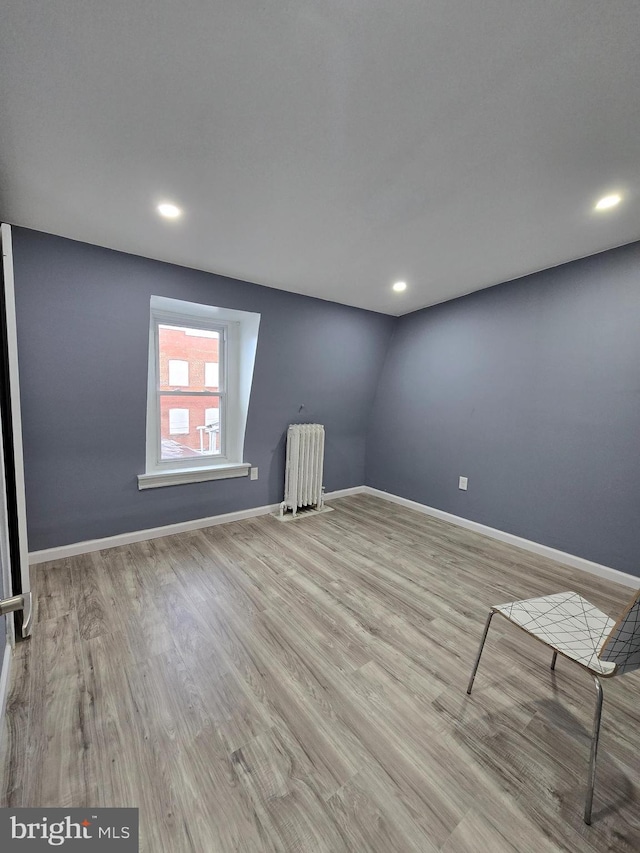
326	148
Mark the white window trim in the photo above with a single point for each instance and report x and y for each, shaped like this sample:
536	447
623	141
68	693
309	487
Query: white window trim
236	374
192	475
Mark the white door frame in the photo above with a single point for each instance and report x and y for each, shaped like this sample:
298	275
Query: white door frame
16	424
5	569
5	556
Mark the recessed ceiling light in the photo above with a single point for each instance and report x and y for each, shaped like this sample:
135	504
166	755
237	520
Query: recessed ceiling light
168	210
399	286
608	201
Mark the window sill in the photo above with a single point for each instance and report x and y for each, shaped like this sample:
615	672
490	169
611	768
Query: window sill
180	476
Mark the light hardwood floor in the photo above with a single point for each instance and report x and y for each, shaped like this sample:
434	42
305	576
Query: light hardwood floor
262	686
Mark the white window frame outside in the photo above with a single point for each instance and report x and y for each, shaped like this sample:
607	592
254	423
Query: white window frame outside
172	368
207	418
238	342
211	364
182	430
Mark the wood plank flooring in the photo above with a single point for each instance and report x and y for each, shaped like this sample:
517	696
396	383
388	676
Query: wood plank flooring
263	687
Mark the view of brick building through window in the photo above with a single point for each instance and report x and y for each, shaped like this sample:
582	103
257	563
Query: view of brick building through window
189	390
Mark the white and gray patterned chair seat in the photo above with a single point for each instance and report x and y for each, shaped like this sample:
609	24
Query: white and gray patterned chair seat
567	623
575	628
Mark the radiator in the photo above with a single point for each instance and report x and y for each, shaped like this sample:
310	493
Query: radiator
303	472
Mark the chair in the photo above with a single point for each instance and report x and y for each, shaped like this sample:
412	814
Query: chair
575	629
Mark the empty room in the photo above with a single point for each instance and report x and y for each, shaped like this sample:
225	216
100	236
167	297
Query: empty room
320	416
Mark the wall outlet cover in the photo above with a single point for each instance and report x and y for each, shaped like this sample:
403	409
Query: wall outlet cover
462	483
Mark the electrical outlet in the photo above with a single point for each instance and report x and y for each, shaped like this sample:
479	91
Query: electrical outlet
254	473
462	483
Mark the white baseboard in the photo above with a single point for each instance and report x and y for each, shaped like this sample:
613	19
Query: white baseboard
344	493
90	545
197	524
86	547
510	539
5	681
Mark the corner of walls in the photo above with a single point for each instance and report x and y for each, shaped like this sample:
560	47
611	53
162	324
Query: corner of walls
529	389
377	399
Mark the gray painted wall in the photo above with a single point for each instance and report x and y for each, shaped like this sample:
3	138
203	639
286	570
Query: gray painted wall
532	390
83	318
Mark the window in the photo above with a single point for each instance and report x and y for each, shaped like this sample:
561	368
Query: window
178	372
197	344
201	362
178	421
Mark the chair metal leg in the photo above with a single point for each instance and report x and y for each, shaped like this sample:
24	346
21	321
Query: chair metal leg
484	637
553	660
594	751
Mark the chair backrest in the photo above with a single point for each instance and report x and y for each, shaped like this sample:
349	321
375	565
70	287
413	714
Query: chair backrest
622	646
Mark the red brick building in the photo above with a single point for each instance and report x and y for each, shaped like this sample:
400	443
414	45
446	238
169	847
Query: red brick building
189	373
